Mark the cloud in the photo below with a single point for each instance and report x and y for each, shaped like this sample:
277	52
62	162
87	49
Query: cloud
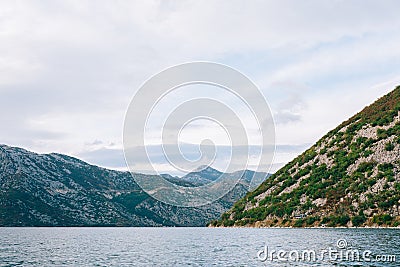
69	69
290	108
114	158
111	158
286	117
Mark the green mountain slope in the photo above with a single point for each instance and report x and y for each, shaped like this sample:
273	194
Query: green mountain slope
350	177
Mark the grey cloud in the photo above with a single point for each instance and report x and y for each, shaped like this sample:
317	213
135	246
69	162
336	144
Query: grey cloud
73	59
286	116
95	143
290	107
114	157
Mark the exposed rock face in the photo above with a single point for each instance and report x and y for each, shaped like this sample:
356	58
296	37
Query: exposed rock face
57	190
349	177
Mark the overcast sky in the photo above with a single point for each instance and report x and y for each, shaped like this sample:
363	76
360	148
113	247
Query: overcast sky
68	69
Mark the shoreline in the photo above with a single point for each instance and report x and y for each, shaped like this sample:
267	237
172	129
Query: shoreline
313	227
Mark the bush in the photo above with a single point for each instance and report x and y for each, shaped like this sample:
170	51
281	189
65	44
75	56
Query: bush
365	167
358	220
325	220
343	220
241	222
386	170
397	186
371	181
367	153
229	223
385	167
299	223
312	220
389	146
382	134
333	221
390	179
383	219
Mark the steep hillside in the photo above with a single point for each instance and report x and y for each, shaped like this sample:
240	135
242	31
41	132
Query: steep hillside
351	177
57	190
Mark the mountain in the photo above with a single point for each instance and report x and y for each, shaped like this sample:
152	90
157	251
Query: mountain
203	175
58	190
350	177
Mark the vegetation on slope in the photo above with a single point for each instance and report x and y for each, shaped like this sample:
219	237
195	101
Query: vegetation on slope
351	177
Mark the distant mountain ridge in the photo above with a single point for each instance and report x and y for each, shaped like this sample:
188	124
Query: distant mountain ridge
203	175
59	190
350	177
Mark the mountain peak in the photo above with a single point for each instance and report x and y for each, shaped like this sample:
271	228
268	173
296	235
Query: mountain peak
204	168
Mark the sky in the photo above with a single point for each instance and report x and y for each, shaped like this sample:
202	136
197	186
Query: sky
69	69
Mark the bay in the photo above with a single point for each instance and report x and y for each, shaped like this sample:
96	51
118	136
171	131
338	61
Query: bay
196	246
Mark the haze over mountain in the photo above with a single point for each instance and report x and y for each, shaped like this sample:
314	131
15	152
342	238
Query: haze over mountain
350	177
58	190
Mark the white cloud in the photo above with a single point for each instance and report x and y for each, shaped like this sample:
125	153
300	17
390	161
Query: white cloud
69	68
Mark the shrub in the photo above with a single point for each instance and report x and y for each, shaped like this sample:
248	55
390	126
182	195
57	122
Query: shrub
358	220
389	146
299	223
366	166
390	179
384	205
386	170
383	219
333	221
343	220
397	186
395	224
367	153
382	134
242	222
325	220
214	223
371	181
229	223
362	187
385	167
312	220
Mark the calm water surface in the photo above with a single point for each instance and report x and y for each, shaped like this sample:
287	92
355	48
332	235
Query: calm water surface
194	246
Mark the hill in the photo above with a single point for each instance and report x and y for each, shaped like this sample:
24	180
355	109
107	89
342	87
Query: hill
58	190
350	177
